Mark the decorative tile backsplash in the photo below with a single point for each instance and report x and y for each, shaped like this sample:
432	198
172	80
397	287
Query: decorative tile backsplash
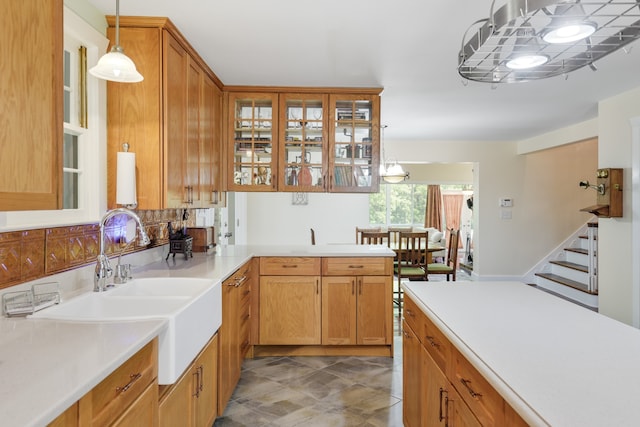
31	254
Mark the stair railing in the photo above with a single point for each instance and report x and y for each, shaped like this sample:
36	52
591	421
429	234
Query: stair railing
592	233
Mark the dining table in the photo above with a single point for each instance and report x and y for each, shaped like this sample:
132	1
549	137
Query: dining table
431	248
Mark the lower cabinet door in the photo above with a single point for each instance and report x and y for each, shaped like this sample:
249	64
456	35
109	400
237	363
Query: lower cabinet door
339	310
175	406
143	412
375	305
411	378
290	310
461	415
206	387
193	400
442	404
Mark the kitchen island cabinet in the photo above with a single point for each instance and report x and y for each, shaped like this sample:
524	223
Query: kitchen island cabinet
531	358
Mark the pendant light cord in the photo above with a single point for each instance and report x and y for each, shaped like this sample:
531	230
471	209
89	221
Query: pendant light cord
117	22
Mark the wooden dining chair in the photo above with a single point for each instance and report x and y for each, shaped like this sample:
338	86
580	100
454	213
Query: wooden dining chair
450	266
412	259
394	235
360	230
374	238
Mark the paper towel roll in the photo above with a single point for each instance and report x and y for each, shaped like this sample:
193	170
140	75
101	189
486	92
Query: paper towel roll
126	179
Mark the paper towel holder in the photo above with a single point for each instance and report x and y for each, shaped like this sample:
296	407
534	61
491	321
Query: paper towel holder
126	178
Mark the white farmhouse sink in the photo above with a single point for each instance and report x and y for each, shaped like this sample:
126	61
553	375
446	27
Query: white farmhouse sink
161	287
191	306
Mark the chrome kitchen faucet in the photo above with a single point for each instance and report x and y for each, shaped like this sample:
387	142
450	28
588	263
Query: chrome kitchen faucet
103	267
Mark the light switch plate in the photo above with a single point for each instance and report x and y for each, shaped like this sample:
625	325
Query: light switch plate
505	202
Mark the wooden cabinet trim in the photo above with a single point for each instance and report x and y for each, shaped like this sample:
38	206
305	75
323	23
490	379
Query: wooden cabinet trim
167	24
305	89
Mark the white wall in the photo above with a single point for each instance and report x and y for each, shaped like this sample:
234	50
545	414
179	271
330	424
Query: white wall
273	219
497	173
615	234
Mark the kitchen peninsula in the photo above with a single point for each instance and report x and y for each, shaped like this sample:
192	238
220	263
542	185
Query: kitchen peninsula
541	360
47	365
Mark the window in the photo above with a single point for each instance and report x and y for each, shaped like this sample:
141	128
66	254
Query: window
398	204
405	204
75	126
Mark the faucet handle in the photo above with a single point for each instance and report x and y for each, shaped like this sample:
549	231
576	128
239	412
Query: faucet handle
123	273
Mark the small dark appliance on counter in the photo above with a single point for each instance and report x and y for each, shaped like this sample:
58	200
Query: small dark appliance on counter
180	243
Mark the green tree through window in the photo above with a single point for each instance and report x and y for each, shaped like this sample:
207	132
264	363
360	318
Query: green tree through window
398	204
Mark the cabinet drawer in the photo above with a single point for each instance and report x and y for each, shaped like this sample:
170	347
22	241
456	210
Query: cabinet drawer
239	277
364	266
414	317
436	343
482	398
115	393
289	266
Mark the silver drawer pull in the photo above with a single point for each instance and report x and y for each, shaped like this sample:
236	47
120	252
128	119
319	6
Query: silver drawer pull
356	266
432	342
133	378
469	389
239	281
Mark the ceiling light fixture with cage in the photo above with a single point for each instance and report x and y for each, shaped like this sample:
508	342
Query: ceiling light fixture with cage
536	39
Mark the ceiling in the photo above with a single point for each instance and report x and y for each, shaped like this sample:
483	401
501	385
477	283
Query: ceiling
407	47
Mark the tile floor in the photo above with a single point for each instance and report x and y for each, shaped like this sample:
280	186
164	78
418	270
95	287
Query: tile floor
319	391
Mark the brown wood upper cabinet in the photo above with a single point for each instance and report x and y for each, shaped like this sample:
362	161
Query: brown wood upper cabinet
172	120
252	151
303	139
31	102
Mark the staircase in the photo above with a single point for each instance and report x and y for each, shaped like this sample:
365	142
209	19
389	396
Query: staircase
571	272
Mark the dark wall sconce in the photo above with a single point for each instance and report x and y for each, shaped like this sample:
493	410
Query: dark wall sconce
609	188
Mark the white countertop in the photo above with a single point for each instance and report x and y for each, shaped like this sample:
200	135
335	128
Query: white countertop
47	365
554	362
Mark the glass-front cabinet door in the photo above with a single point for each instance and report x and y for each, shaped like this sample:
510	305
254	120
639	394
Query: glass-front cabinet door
303	142
355	147
253	151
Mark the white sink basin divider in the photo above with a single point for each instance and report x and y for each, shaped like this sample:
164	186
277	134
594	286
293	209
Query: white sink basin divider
191	306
